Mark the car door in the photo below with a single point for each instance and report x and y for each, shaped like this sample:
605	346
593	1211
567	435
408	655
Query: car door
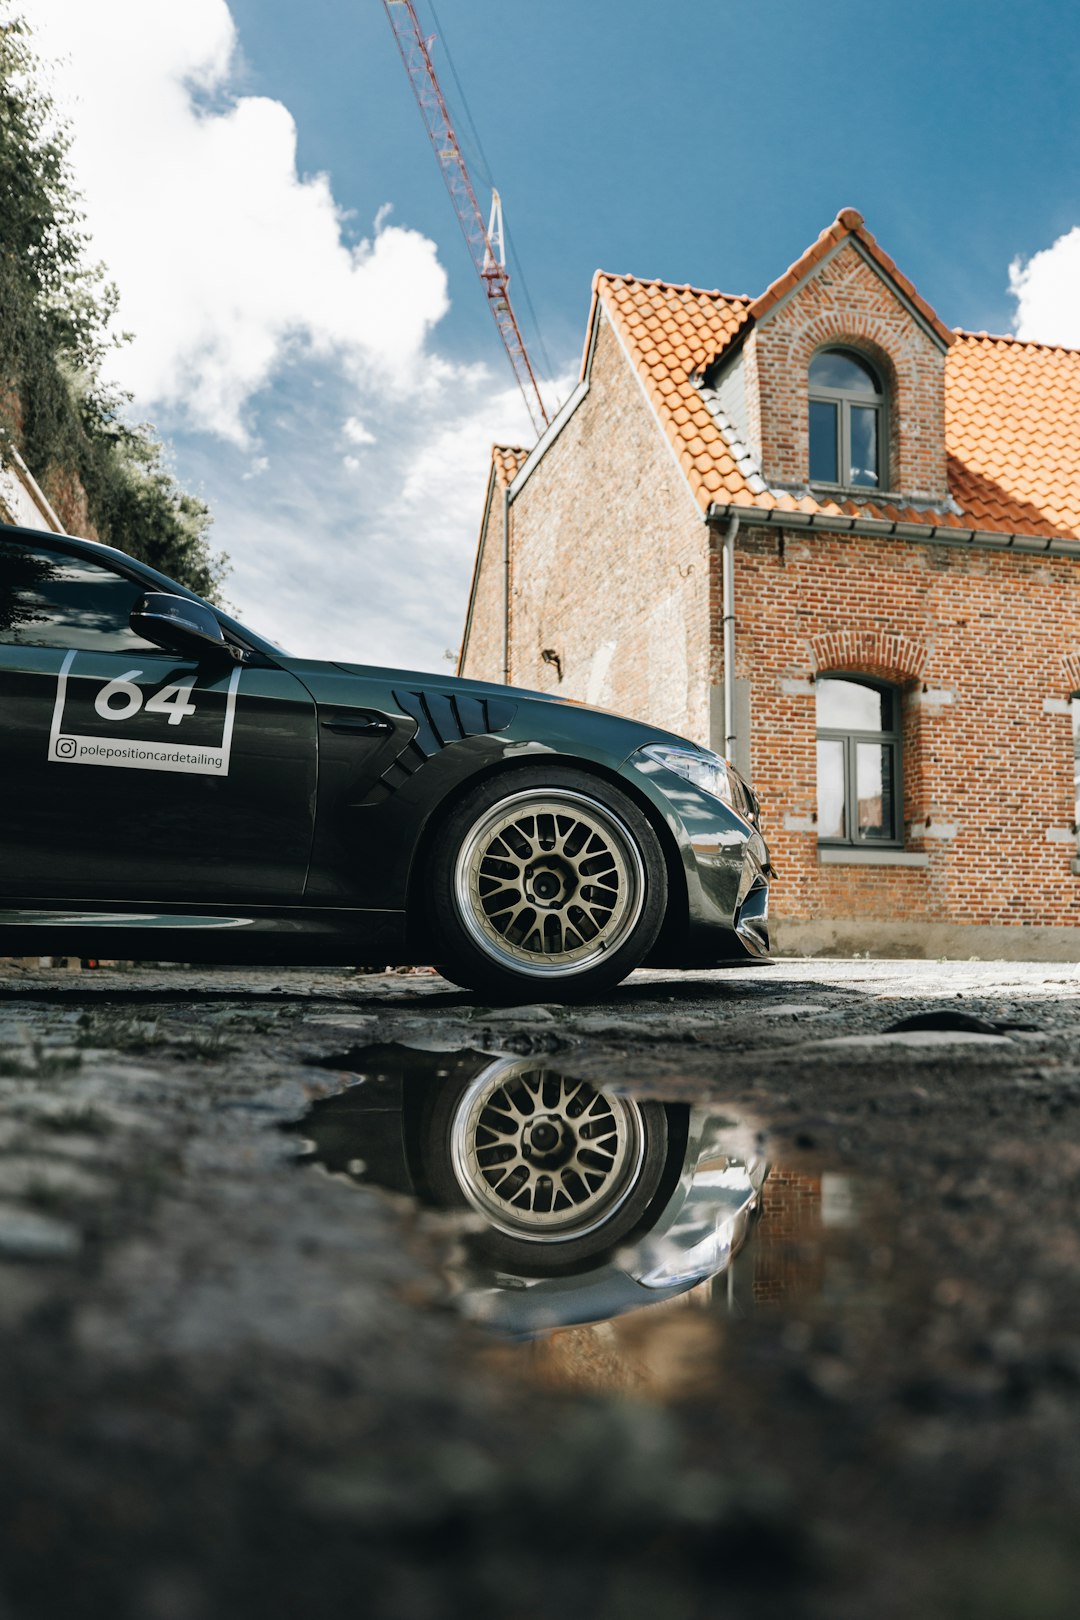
127	772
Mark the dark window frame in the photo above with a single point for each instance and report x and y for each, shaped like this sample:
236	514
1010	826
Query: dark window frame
48	613
893	738
844	399
140	573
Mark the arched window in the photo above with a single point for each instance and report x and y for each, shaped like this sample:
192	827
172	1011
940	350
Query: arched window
847	421
858	762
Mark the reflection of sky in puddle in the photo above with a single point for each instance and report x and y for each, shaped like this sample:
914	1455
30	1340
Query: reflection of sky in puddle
570	1208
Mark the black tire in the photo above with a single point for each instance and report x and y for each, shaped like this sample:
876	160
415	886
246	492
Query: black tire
606	1215
546	884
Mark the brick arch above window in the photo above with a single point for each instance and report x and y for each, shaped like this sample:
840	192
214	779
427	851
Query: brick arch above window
829	333
1071	665
899	384
877	653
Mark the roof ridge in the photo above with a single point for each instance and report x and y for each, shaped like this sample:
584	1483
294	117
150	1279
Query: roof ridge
1011	337
849	224
674	286
1000	480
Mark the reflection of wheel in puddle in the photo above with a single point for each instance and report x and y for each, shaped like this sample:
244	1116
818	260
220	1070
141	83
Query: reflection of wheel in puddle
559	1170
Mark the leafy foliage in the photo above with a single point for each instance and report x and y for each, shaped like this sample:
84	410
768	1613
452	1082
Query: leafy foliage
102	472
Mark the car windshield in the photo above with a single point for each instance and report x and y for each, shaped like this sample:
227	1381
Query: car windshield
247	634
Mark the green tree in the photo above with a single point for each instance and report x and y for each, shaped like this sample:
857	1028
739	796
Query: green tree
56	309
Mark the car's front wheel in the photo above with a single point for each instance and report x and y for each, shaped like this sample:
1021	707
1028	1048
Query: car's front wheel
560	1172
549	883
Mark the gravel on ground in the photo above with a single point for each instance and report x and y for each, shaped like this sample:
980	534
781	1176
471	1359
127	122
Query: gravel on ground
233	1387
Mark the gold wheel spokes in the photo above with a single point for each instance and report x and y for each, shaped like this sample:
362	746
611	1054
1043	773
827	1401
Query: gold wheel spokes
549	880
544	1156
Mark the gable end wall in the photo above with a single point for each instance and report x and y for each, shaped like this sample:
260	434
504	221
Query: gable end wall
610	562
482	656
846	301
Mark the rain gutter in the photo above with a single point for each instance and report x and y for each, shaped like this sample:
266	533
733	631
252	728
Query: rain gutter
727	574
506	585
939	534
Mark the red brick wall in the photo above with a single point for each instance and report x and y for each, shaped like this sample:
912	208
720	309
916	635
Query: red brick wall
978	641
482	658
786	1241
612	570
610	562
67	496
845	301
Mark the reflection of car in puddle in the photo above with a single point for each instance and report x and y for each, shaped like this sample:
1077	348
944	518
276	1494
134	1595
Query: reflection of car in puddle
590	1202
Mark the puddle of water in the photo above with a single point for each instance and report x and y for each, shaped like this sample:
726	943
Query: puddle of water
609	1236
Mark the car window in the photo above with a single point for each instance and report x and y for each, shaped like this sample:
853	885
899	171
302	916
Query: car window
53	599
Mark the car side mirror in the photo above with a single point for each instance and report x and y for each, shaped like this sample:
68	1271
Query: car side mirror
181	626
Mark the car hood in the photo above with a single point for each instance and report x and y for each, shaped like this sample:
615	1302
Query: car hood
457	683
429	681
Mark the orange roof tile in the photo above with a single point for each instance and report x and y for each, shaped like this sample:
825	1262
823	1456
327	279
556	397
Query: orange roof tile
507	461
1012	427
654	320
1012	409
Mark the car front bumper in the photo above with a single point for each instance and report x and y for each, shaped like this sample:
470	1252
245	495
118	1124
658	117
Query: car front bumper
725	866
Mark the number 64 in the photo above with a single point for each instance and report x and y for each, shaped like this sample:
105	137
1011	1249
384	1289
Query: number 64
171	701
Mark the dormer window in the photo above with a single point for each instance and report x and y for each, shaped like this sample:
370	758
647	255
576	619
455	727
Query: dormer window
847	421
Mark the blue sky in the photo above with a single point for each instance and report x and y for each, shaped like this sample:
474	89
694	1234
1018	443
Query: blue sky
334	401
705	141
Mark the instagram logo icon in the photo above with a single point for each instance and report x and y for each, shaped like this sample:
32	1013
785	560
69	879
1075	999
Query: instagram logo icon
65	747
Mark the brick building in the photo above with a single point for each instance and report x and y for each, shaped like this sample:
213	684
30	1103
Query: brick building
840	542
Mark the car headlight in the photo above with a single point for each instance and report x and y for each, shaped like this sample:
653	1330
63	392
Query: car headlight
706	770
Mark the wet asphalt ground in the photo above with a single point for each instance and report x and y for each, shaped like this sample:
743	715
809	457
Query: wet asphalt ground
235	1386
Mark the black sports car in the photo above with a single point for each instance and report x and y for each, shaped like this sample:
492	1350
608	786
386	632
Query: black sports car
589	1201
176	787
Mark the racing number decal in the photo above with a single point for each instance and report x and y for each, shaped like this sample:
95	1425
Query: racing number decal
169	701
120	701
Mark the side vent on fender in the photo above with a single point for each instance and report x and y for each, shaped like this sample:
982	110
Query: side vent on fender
441	718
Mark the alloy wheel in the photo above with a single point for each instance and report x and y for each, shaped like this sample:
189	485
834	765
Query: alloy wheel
552	881
543	1156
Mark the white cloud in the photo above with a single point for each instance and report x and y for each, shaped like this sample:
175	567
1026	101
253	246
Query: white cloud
1047	290
355	431
372	565
226	257
274	352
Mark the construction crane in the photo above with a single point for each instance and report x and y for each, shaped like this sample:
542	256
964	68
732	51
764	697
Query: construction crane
485	242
